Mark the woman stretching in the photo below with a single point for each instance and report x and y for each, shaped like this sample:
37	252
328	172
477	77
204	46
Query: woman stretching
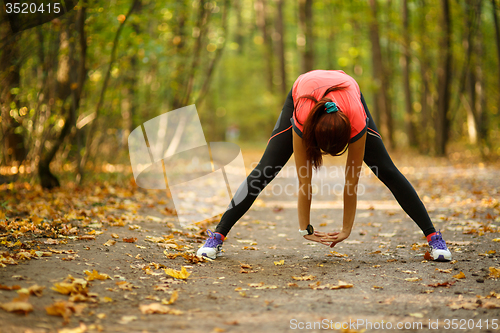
328	115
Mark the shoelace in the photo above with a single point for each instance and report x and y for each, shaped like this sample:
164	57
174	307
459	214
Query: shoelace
438	242
212	241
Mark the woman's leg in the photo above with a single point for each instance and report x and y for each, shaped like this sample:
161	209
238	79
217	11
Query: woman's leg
379	161
277	153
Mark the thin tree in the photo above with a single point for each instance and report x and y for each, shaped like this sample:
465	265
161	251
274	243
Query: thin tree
444	80
382	102
97	111
306	42
409	117
280	45
497	36
71	78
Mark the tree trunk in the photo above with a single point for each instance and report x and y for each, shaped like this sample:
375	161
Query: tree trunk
444	80
202	26
497	37
98	107
218	54
260	15
13	147
469	78
280	30
71	79
382	103
305	40
409	117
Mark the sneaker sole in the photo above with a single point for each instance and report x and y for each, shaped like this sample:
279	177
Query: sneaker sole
441	258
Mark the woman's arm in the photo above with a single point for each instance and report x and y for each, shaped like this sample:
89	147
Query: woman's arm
354	162
304	173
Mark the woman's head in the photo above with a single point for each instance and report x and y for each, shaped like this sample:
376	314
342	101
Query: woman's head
327	129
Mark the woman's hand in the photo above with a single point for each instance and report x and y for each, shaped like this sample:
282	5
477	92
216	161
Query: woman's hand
316	238
331	238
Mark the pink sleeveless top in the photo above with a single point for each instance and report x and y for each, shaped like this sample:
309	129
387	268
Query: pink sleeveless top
315	83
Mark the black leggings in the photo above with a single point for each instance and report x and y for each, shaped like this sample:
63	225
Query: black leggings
279	150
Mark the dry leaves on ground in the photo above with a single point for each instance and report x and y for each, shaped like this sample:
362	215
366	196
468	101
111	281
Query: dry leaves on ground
95	275
158	308
182	274
304	278
19	304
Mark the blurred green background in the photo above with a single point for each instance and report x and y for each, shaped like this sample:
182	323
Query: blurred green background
73	88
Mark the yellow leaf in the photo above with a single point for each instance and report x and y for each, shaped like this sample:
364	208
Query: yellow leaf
460	275
61	308
304	278
106	299
115	236
342	285
19	305
96	276
158	308
496	240
36	290
110	242
63	288
173	298
36	220
279	263
494	272
182	274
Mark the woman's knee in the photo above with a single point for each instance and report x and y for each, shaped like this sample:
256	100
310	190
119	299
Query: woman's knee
386	172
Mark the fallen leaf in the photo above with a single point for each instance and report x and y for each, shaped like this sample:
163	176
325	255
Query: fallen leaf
463	305
417	315
427	256
444	270
443	284
494	272
95	275
19	304
182	274
304	278
158	308
86	237
342	285
130	240
14	287
496	240
279	263
61	308
245	265
491	305
172	299
110	242
115	236
460	275
336	254
36	290
292	285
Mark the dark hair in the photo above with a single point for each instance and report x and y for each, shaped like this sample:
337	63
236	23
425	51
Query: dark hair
325	133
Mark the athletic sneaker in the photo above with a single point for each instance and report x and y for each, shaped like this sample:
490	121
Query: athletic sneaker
439	251
212	246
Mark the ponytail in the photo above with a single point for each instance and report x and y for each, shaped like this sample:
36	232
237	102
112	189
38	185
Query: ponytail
325	132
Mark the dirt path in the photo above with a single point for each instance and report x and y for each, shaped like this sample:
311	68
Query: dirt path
269	279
